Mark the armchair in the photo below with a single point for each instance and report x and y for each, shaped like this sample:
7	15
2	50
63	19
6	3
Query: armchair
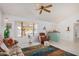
42	37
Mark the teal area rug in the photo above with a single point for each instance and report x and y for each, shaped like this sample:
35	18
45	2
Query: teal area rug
41	50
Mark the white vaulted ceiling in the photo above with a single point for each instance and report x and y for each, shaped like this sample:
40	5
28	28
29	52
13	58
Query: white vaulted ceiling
59	12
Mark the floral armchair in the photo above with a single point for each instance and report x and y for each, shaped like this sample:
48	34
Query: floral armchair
14	48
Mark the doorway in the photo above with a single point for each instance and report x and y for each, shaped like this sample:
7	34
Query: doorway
76	31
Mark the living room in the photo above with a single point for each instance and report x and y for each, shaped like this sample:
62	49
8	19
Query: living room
59	22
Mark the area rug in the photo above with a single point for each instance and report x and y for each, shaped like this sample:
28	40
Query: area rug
41	50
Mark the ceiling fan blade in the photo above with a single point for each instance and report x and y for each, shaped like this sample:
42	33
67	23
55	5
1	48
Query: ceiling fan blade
37	9
47	10
48	6
40	11
41	7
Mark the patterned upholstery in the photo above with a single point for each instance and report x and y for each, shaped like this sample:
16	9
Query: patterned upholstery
14	48
42	37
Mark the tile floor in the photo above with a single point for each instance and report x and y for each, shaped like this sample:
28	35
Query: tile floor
72	47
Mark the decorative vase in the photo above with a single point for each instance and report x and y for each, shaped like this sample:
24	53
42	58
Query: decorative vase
6	32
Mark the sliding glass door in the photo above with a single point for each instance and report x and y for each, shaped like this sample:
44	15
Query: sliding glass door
26	28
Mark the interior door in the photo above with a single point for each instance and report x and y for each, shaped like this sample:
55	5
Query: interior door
76	31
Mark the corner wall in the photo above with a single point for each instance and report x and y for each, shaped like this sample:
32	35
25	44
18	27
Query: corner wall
68	22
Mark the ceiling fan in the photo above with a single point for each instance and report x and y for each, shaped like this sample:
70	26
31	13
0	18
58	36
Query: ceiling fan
45	8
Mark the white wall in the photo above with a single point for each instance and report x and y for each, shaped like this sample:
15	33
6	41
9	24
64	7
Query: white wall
40	23
23	41
68	22
62	27
1	22
50	26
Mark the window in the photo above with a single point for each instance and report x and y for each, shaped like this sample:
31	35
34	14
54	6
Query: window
26	28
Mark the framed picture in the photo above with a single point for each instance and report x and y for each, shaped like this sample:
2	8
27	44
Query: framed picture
9	25
68	28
